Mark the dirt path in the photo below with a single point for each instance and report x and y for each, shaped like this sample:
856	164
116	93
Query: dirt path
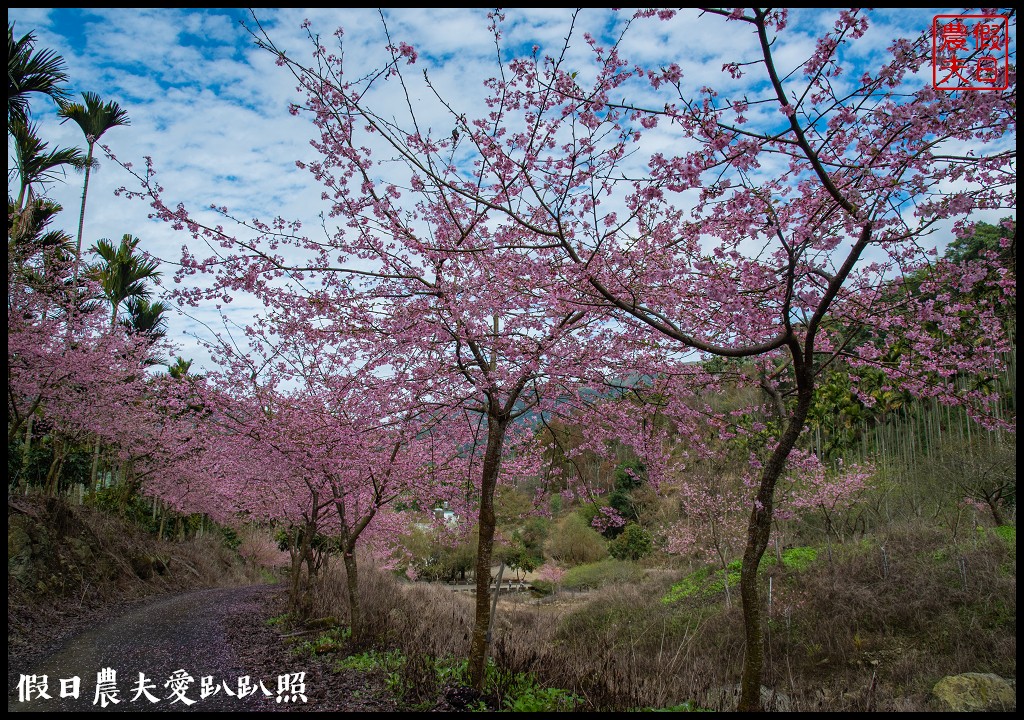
218	633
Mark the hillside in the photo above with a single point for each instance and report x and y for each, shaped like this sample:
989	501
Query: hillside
67	565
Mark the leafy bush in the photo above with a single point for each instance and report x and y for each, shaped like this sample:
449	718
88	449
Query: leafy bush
799	558
705	582
433	558
632	544
331	641
573	542
277	620
533	698
231	539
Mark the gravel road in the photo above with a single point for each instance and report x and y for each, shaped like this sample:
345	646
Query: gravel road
219	634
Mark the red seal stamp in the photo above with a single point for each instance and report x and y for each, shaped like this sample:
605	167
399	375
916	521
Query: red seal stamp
970	52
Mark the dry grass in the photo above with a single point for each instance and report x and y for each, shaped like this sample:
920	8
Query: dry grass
864	631
885	620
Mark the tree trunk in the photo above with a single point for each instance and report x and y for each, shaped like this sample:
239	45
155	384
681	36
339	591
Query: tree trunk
81	214
758	533
26	453
295	575
496	427
94	470
53	475
997	515
302	608
355	609
300	553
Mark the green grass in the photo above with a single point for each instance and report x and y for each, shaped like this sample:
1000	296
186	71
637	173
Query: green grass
530	697
704	583
598	574
709	581
1007	533
372	660
519	692
799	558
329	642
522	692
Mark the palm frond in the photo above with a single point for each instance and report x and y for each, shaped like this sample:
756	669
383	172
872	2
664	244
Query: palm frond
94	116
30	71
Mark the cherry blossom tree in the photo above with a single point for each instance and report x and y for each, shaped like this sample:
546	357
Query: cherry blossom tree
475	355
85	378
335	446
617	205
441	314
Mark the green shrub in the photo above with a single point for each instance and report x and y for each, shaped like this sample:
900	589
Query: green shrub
534	698
521	692
231	539
434	559
331	641
276	620
705	582
573	542
632	544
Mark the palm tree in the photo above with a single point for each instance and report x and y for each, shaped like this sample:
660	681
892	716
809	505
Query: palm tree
146	319
123	273
94	117
29	71
33	164
37	256
180	368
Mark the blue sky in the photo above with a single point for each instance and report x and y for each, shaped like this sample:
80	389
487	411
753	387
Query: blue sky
212	110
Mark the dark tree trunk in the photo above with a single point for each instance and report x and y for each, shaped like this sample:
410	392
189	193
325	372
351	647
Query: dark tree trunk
355	610
758	533
301	553
993	506
56	466
496	427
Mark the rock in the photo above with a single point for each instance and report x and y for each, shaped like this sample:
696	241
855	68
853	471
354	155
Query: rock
162	565
31	550
82	552
975	691
143	566
19	550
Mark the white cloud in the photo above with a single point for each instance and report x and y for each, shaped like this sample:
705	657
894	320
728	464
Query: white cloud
212	110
